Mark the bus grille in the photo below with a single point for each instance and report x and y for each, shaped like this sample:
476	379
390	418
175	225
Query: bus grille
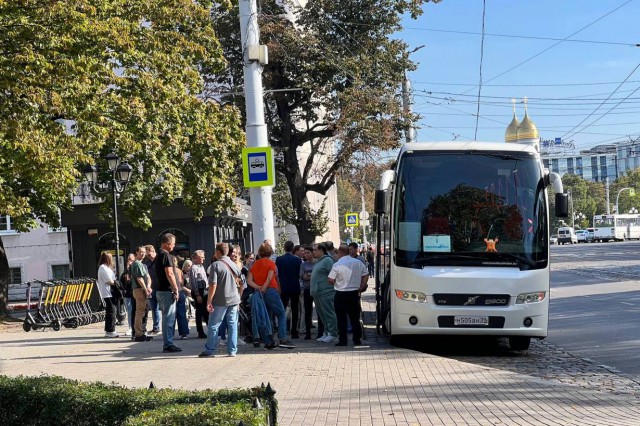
471	299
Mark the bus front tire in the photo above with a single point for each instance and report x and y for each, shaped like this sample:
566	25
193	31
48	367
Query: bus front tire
519	343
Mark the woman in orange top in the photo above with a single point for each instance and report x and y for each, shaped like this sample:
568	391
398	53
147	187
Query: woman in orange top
262	277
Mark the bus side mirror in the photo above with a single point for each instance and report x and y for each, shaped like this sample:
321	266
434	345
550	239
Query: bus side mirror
562	205
379	204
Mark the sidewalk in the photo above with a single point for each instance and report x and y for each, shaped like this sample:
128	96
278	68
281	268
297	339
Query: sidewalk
319	384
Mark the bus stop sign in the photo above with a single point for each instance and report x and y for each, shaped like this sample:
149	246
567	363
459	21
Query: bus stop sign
257	167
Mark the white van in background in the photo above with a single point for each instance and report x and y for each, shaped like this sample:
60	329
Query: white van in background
567	235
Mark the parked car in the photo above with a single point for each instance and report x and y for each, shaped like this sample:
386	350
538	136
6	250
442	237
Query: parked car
584	236
553	239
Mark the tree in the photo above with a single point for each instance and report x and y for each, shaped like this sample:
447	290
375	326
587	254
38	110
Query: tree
626	201
348	183
334	77
588	198
81	78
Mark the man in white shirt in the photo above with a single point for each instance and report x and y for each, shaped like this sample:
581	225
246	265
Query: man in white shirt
349	277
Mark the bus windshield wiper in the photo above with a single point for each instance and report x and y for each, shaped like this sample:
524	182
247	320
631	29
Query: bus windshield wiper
517	257
497	155
440	257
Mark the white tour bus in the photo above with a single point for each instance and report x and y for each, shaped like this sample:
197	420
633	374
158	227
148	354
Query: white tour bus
618	227
465	227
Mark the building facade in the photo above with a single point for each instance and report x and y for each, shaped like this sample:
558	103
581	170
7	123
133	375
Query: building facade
89	236
40	254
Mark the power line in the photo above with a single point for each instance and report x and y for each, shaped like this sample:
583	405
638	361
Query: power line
537	115
525	85
525	37
603	102
555	44
484	10
627	100
579	98
437	30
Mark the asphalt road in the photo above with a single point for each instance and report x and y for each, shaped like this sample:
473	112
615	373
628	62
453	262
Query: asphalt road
595	303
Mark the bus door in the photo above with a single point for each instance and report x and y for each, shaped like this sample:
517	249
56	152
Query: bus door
382	272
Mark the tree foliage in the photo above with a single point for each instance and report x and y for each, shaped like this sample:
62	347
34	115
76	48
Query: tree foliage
336	74
350	196
82	78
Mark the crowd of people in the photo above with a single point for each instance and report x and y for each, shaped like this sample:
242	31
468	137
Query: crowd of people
239	299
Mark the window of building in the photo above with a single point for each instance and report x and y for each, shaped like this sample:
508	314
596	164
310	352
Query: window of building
5	223
603	167
570	169
15	275
579	166
594	169
554	165
60	271
60	229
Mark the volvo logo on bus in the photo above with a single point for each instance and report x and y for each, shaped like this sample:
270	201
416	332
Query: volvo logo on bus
471	300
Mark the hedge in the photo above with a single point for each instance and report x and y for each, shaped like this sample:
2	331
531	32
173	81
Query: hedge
48	400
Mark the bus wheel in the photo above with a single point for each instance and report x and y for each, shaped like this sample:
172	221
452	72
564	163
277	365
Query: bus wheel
519	343
386	325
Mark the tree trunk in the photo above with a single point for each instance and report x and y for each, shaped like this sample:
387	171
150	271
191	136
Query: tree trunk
4	282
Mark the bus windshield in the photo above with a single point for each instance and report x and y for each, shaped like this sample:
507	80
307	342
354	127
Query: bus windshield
477	208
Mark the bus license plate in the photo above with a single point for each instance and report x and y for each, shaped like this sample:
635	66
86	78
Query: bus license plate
462	321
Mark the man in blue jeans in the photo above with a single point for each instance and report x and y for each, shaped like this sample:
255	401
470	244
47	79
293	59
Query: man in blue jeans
149	262
167	292
222	302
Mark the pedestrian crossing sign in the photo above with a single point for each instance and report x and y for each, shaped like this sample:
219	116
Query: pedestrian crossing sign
351	219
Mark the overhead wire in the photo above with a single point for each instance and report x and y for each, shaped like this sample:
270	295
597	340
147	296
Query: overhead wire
433	83
553	45
578	98
484	10
628	44
603	102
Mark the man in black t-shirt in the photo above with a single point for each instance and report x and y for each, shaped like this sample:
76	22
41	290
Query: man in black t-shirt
167	292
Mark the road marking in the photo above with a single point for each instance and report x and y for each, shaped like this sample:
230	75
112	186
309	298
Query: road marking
595	289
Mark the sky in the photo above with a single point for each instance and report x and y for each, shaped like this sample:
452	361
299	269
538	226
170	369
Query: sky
575	61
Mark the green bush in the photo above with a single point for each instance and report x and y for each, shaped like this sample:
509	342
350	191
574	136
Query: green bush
50	400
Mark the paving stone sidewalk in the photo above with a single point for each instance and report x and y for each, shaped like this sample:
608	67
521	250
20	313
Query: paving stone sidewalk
319	384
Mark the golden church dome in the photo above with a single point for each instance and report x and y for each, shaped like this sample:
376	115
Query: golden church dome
527	129
511	135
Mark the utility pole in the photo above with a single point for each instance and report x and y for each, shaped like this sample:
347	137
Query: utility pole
407	101
256	129
365	216
606	190
407	94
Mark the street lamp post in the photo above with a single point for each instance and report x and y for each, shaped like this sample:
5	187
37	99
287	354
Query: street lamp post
573	213
120	173
579	217
618	197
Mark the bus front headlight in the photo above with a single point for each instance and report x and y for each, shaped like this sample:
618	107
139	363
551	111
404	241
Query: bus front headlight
412	296
530	297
